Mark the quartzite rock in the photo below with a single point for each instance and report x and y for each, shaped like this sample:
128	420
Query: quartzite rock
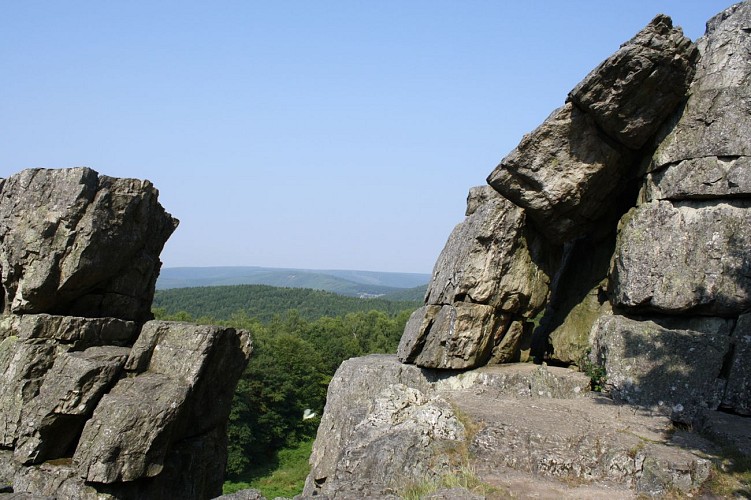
128	437
717	118
352	389
453	337
565	174
130	432
674	368
490	272
738	392
685	258
701	178
633	91
22	368
53	420
491	258
76	333
74	242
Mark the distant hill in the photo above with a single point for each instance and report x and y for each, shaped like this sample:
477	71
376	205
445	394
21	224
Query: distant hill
343	282
415	294
263	302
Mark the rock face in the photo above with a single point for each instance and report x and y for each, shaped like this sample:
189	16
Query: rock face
614	238
388	427
488	281
80	244
96	403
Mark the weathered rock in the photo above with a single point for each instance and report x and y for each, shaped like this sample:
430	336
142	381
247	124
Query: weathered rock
72	387
673	369
489	274
686	258
453	337
701	178
73	242
570	340
717	118
129	438
491	258
565	174
517	380
632	92
738	392
77	333
535	423
22	368
352	389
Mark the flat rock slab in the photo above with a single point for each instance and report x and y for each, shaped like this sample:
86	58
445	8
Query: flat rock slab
584	440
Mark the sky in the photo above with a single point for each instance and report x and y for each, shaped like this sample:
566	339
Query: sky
307	134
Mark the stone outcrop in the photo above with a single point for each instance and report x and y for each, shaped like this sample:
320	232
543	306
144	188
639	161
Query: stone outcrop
80	244
489	280
97	403
619	231
388	427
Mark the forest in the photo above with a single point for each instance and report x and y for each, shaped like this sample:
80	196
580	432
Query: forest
263	302
300	337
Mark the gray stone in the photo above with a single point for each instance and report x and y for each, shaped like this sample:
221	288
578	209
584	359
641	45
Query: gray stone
491	258
73	242
717	117
685	258
564	174
22	368
701	178
454	337
393	443
738	392
493	270
633	91
248	494
665	368
352	389
77	333
53	420
128	436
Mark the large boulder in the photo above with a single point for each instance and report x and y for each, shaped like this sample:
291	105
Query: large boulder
674	367
76	243
684	258
180	366
633	91
95	403
568	172
493	270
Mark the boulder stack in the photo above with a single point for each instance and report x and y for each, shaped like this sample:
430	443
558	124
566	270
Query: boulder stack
96	400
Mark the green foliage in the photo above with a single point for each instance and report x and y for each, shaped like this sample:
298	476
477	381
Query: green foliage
292	363
295	354
597	374
264	303
287	477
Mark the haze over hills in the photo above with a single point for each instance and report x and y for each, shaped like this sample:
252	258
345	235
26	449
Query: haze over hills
344	282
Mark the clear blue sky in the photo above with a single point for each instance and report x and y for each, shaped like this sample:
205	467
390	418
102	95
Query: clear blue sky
312	134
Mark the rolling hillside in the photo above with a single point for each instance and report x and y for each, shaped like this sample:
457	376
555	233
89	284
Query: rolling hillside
351	283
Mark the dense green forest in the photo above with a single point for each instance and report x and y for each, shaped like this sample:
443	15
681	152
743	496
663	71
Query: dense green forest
299	339
263	302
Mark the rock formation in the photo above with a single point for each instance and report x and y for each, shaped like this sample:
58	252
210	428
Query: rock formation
97	401
614	238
